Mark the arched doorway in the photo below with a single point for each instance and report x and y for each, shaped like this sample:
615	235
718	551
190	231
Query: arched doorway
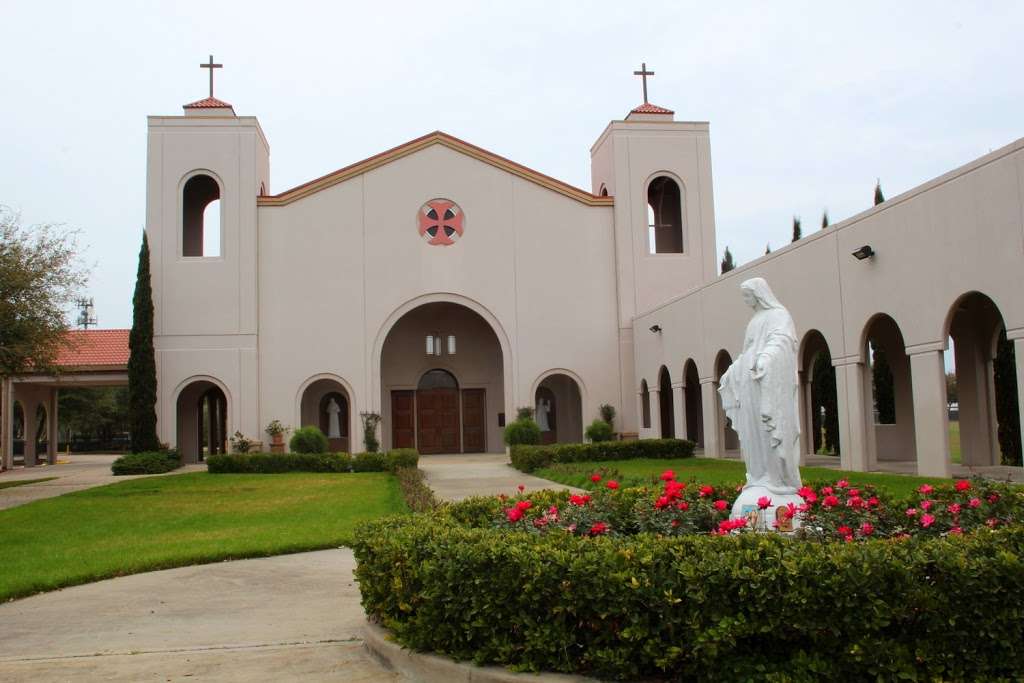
694	408
665	404
730	439
819	428
558	408
325	404
202	411
983	413
442	381
889	391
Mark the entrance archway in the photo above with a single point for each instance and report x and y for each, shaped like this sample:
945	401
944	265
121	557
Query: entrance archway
890	393
559	395
666	405
334	420
202	410
730	439
819	428
442	381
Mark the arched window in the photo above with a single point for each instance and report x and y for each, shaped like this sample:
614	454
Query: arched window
437	379
200	217
604	191
664	216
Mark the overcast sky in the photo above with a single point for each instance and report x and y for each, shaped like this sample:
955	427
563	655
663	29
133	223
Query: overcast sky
807	104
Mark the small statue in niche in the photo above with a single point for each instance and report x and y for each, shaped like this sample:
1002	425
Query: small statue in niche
333	422
543	409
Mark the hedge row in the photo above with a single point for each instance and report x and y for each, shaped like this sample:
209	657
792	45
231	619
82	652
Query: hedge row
752	606
277	463
530	458
150	462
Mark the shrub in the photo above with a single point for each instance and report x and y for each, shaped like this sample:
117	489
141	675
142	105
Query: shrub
150	462
308	440
528	458
522	431
600	430
369	462
607	413
370	422
400	458
754	606
524	413
242	444
418	496
277	463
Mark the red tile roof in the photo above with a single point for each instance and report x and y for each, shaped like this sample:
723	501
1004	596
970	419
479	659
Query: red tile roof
648	108
209	103
94	348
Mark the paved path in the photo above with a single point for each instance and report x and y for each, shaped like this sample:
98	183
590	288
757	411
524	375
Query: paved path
456	477
287	618
74	473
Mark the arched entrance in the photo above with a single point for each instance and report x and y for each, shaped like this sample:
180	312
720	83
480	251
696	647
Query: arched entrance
890	395
202	411
666	404
558	408
983	404
694	409
819	428
326	404
730	439
442	381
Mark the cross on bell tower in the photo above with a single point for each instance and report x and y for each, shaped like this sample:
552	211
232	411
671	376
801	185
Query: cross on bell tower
211	66
643	73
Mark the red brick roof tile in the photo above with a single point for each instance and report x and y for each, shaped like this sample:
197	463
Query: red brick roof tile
209	103
94	348
648	108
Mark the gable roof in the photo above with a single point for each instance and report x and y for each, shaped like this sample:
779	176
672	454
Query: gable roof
209	103
648	108
94	348
413	146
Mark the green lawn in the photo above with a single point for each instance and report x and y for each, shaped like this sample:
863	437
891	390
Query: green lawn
160	522
954	442
716	472
12	484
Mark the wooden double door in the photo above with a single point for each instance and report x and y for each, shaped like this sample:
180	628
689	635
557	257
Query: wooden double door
429	420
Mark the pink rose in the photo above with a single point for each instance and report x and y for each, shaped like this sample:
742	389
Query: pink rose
842	484
873	501
667	475
830	501
927	521
974	502
911	512
867	529
706	490
954	509
956	531
926	505
763	502
827	490
925	489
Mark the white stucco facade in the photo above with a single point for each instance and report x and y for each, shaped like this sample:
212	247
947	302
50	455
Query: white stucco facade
331	285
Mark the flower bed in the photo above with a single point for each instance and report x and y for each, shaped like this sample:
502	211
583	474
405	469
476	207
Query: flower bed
610	585
278	463
530	458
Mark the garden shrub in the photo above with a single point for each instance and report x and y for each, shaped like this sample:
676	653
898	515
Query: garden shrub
419	497
150	462
469	581
308	440
528	458
599	430
522	431
369	462
277	463
402	458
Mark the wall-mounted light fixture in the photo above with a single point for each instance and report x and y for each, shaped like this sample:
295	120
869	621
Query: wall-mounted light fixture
655	328
864	252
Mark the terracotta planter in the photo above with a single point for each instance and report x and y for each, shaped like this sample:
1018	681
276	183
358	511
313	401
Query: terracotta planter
277	443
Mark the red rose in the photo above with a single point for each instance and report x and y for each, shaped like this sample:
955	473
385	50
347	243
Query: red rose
954	509
706	490
844	530
805	491
578	500
993	498
926	505
974	502
514	514
830	501
661	503
927	520
667	475
524	505
790	511
962	485
683	505
853	493
598	528
925	489
956	531
612	484
521	488
842	484
763	502
826	490
873	501
721	505
595	478
867	529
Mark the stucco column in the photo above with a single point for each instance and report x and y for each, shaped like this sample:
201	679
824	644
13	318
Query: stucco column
854	420
931	420
52	435
639	414
806	418
31	409
712	425
655	398
679	409
6	424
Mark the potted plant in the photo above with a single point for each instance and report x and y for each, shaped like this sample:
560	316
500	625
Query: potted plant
276	431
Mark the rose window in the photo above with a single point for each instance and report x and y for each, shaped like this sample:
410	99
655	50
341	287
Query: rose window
440	222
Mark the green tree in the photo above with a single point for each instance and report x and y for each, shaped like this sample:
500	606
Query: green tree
797	231
951	390
727	261
41	275
824	401
879	197
767	248
824	219
142	362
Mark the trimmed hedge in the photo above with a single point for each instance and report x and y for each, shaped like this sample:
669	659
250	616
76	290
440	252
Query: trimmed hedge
308	440
530	458
149	462
278	463
751	606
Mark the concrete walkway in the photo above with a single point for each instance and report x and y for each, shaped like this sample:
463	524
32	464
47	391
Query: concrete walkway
287	618
457	477
74	473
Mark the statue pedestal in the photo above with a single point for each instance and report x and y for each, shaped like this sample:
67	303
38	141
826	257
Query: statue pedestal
763	520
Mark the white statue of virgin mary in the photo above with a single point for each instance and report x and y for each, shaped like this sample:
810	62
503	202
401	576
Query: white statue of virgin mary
760	394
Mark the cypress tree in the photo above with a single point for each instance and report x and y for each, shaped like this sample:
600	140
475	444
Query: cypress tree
797	232
767	248
142	362
824	219
727	262
879	197
825	401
